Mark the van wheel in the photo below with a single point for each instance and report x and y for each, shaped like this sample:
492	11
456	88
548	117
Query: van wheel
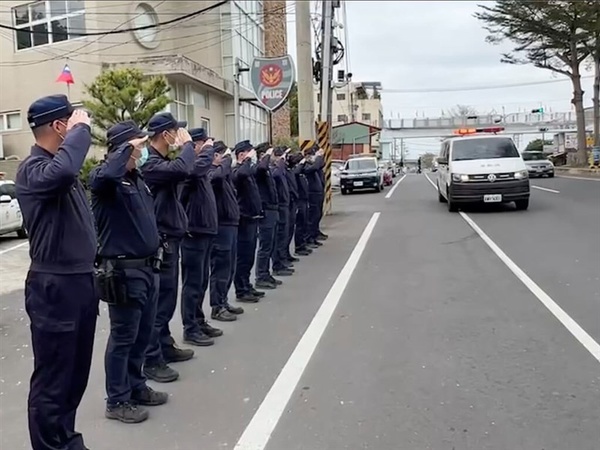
452	207
22	233
522	205
344	192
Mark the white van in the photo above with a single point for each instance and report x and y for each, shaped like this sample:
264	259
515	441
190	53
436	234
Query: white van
11	219
480	166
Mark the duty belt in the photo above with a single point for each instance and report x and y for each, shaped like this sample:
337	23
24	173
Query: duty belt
129	263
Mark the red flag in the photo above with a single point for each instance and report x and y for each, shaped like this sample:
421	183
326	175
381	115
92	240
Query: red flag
66	76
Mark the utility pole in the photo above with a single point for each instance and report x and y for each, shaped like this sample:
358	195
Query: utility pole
236	99
306	109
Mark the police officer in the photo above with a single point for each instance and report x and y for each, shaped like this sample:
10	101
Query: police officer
223	253
267	226
198	199
301	232
128	259
60	298
291	168
250	205
320	236
163	177
313	172
281	266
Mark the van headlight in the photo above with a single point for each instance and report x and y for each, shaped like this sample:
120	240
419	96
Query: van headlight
458	177
521	175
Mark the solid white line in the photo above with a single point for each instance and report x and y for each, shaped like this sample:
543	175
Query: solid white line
14	247
578	178
393	189
259	430
432	183
545	189
579	333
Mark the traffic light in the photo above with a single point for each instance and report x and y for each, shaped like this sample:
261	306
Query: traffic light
543	129
537	111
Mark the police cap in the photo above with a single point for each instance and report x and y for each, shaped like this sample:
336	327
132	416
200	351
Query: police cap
279	151
199	134
241	147
124	132
164	121
220	147
48	109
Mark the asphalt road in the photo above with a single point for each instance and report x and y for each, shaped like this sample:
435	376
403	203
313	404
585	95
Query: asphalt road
405	331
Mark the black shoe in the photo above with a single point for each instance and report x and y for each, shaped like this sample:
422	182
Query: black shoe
209	330
259	294
284	272
293	259
275	281
303	252
313	245
199	339
149	397
236	310
322	236
161	373
222	315
266	284
174	354
247	298
289	265
126	412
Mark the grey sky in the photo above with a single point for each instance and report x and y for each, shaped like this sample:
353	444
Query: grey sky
425	44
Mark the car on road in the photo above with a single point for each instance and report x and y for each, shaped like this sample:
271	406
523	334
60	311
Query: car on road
361	173
391	166
481	166
388	177
538	164
336	168
11	219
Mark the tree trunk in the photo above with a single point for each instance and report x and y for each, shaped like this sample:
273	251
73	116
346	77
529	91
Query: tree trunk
580	116
596	101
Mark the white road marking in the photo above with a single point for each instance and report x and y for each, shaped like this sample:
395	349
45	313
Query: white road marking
578	178
14	247
261	427
432	183
574	328
393	189
579	333
545	189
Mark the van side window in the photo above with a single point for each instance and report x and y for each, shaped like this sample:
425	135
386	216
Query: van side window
8	189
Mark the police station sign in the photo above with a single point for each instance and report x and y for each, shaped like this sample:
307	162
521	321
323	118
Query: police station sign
272	80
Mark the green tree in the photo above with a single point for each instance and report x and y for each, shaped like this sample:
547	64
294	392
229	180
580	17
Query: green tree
537	145
87	167
590	36
124	94
293	102
427	160
546	34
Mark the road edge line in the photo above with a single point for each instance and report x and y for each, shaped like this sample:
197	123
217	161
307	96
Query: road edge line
393	189
553	191
262	425
14	247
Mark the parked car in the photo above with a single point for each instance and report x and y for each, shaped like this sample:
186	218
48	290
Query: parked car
11	219
388	177
538	164
361	173
336	168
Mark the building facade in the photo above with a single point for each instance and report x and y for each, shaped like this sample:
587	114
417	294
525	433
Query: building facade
197	55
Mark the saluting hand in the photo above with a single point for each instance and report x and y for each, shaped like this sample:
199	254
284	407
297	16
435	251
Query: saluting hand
251	154
208	143
321	152
227	152
78	116
138	142
182	136
270	151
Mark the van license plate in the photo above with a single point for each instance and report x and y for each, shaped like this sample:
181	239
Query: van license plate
358	183
492	198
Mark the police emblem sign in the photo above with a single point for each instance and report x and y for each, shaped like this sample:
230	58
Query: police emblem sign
272	80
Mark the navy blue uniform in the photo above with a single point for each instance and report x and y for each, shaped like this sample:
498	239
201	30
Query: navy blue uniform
223	254
301	234
314	175
60	298
267	225
200	205
250	205
128	235
279	255
293	187
164	177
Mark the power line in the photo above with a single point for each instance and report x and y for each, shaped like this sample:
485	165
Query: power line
126	30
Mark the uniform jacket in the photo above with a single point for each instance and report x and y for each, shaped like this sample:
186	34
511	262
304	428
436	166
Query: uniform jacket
292	183
228	211
281	184
248	196
266	184
313	172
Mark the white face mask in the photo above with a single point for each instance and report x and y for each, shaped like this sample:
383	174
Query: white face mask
173	146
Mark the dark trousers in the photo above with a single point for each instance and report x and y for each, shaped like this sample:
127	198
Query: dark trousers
267	226
131	327
321	208
301	232
291	227
281	239
166	304
246	255
63	311
222	264
195	272
315	211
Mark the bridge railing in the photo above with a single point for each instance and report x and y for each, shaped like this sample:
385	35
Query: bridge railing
556	119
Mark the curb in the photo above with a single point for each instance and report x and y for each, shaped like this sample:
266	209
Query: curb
592	173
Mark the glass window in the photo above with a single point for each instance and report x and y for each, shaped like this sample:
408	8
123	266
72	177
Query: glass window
8	189
47	22
144	15
362	164
483	148
205	123
10	121
341	96
366	116
342	118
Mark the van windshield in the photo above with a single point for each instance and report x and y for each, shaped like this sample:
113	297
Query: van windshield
534	156
361	164
484	148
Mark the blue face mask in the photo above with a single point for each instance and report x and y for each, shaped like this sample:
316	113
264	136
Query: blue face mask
142	159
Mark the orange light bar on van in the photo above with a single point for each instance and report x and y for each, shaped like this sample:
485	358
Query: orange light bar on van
464	131
467	131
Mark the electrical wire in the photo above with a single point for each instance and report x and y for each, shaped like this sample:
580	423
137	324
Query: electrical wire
126	30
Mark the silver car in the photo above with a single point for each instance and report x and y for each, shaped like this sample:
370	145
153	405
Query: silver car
538	164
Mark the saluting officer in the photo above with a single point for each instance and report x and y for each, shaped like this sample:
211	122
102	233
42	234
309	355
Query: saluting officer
164	177
320	160
128	258
315	193
291	168
250	205
301	233
60	297
281	266
222	258
198	199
